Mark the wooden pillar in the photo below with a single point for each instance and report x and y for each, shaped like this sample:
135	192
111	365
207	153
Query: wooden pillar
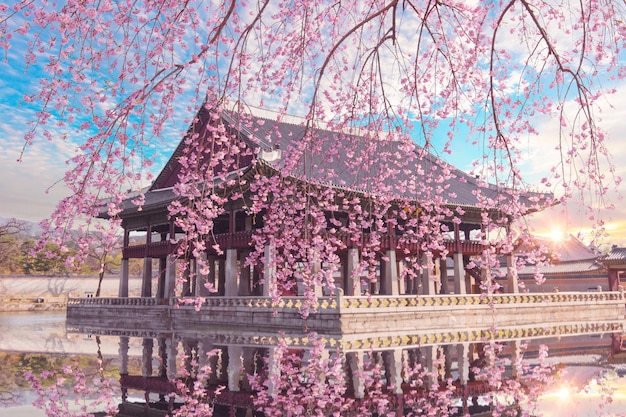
202	278
248	366
273	370
613	280
235	364
146	357
245	276
146	281
459	274
430	365
160	292
213	361
393	369
123	288
316	267
171	349
516	360
428	281
511	275
443	276
352	280
123	353
355	366
169	289
463	362
269	272
389	272
402	288
186	289
211	278
446	351
231	284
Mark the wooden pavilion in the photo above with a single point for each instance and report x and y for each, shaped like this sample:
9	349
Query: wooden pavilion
266	148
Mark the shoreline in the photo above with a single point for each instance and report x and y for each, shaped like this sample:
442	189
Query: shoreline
50	293
28	305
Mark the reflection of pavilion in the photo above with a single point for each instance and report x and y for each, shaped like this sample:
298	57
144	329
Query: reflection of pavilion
441	357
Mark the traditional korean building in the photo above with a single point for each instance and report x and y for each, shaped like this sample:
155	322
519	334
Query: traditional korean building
403	179
396	318
615	263
573	266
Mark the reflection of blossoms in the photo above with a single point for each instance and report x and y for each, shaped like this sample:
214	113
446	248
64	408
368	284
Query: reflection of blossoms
69	393
299	382
192	387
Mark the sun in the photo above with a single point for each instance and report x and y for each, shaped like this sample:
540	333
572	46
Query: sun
557	235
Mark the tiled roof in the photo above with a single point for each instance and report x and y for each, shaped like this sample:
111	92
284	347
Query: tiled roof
615	256
583	266
373	164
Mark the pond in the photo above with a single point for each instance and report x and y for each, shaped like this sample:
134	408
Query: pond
591	377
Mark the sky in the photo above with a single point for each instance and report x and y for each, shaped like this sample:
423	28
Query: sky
32	187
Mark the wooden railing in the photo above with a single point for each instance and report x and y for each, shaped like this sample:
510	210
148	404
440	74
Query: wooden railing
153	250
243	240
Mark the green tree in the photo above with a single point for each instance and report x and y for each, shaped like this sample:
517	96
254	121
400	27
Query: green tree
12	232
50	261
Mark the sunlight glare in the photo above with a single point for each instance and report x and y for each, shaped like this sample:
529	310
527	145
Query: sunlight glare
557	235
564	393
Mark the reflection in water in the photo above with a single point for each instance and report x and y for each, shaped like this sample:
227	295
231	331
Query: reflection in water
298	377
582	374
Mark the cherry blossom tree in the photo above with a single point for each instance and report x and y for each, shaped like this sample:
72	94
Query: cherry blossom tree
122	79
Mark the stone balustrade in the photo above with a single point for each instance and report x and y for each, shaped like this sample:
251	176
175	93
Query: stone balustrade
352	315
126	301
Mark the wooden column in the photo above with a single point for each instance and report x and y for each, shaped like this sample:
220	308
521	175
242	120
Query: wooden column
235	364
273	370
430	365
245	276
511	275
221	276
171	351
443	276
186	289
428	281
389	272
463	362
613	279
393	369
123	288
269	272
169	289
123	353
146	357
355	365
459	274
352	280
231	284
202	278
146	283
